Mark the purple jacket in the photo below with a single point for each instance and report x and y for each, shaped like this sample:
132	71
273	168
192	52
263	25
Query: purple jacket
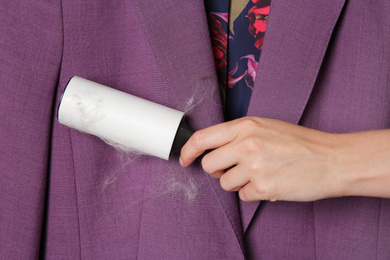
68	195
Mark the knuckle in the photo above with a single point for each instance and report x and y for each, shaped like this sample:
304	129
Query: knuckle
251	146
261	190
265	191
248	123
198	139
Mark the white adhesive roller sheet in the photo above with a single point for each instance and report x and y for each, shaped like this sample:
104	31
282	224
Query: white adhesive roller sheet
130	122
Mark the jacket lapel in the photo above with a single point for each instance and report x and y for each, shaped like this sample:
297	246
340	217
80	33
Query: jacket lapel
179	38
181	45
296	40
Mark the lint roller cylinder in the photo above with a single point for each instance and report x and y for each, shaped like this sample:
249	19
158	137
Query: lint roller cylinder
121	119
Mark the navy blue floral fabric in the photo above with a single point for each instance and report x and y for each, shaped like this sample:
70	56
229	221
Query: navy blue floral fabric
237	51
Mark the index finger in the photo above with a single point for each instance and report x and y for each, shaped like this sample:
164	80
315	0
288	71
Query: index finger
206	139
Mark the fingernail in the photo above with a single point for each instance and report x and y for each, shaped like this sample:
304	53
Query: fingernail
181	162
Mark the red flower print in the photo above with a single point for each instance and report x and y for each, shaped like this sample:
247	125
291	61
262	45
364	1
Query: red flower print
219	44
258	17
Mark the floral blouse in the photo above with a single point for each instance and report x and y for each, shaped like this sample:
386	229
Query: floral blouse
236	47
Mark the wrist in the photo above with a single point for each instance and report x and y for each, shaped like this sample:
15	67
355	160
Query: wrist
360	165
338	177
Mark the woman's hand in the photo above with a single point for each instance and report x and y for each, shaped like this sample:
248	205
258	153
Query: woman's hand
267	159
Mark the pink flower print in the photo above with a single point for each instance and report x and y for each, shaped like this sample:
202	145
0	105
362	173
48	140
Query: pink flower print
252	69
233	80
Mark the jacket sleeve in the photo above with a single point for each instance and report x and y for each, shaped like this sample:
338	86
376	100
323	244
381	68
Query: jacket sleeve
30	59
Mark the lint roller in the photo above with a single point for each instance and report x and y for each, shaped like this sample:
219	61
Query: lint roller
127	121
